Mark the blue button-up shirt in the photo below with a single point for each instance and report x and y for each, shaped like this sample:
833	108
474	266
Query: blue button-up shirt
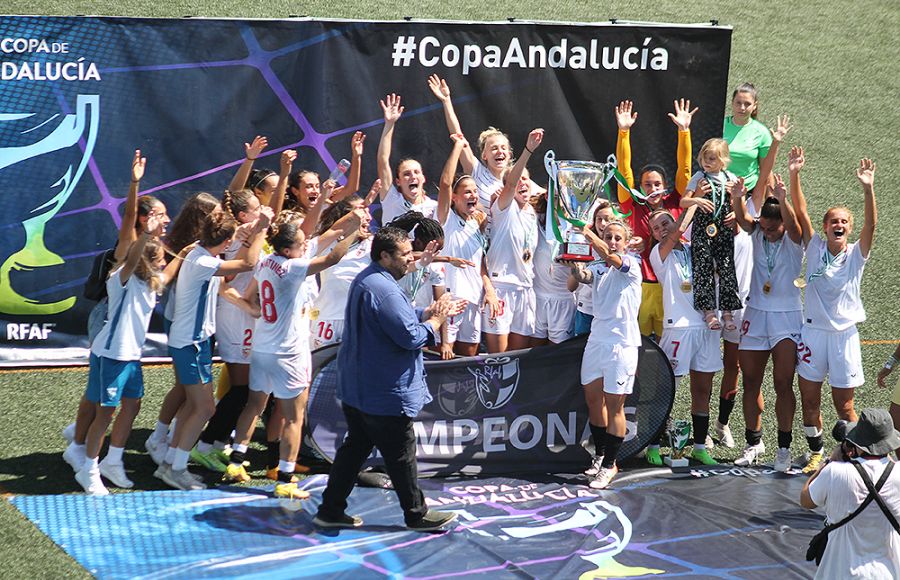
380	366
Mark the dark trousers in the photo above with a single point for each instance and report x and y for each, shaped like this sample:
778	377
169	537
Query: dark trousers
395	439
712	254
225	419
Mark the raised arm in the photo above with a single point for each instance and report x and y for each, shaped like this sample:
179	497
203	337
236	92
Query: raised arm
352	185
601	248
284	172
445	186
625	119
311	220
344	227
511	183
681	226
127	231
392	110
254	246
441	90
339	250
373	193
796	161
171	270
251	152
781	129
155	227
741	215
788	217
682	119
866	176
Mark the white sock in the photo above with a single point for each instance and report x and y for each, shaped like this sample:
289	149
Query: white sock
170	455
204	447
91	464
286	466
76	448
159	433
653	447
699	446
812	431
114	456
180	460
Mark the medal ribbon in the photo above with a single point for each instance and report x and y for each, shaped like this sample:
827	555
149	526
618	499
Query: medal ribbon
771	255
683	260
717	194
827	261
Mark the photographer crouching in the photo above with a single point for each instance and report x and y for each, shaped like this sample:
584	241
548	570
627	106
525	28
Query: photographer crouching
860	491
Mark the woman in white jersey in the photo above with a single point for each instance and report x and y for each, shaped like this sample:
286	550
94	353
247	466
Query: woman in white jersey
305	186
554	302
115	365
611	355
281	364
771	319
584	302
829	344
199	284
407	191
692	348
510	258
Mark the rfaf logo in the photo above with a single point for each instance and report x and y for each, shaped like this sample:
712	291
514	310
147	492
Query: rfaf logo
496	381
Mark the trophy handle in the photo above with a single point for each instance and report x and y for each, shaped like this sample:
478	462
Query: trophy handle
550	164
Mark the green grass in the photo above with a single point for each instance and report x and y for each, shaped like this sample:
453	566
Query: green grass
832	66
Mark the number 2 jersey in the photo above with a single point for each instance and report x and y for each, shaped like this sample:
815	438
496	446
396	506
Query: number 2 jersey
283	325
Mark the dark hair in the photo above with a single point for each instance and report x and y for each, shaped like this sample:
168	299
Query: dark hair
336	212
771	209
655	168
283	235
257	176
401	162
235	202
387	239
290	201
218	227
189	223
602	204
751	90
146	203
427	229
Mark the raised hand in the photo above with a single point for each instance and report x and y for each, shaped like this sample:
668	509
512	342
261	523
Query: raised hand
373	193
266	215
328	189
683	114
459	140
781	129
460	262
252	150
796	159
439	87
138	164
287	160
534	139
428	254
866	172
737	189
625	115
392	108
780	190
356	143
156	227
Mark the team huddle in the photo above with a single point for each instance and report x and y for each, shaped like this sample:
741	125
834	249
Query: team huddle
692	261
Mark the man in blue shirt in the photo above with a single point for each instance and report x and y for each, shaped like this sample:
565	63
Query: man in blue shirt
381	383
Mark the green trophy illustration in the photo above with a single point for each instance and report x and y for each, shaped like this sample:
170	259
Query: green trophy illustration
678	432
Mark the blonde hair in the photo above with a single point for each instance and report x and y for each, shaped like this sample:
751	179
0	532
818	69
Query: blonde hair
717	146
625	228
838	208
487	134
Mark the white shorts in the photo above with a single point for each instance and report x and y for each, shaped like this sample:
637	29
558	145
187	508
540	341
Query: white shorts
553	317
692	349
762	330
325	332
614	363
837	355
284	376
235	339
465	326
733	336
516	312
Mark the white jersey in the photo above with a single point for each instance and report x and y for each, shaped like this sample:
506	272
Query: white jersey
463	239
394	204
584	296
487	184
675	276
743	263
232	323
195	302
833	302
336	280
550	277
775	266
310	284
130	308
510	256
282	327
617	299
419	285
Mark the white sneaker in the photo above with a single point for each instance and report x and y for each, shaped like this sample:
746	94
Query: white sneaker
604	477
182	479
782	459
74	457
710	444
156	449
115	472
751	455
162	471
91	482
594	469
69	432
723	432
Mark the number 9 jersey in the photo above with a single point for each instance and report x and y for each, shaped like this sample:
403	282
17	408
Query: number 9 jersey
282	327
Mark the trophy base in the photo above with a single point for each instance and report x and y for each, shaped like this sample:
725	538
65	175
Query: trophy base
575	258
680	462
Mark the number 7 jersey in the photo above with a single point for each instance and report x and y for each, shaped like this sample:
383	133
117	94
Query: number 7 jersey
282	327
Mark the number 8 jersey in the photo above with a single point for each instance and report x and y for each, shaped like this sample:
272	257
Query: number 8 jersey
281	328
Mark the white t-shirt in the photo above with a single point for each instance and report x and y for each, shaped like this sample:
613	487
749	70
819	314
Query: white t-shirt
419	285
833	301
336	280
282	327
130	308
514	235
195	302
463	239
743	263
867	546
487	184
394	204
678	305
550	277
778	263
617	299
227	314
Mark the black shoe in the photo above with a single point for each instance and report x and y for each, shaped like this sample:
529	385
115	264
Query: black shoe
433	521
343	521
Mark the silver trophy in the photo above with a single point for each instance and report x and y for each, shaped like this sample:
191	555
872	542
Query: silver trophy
574	189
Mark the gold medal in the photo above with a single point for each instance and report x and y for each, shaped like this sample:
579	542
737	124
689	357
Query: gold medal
767	287
526	256
314	314
686	286
799	282
712	230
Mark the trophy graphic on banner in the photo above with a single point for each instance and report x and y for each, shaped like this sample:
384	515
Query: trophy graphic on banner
573	191
678	432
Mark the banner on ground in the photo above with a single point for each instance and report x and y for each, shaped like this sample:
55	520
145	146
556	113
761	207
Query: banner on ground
79	95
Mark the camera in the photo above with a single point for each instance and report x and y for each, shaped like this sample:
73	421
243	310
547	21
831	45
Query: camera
839	431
